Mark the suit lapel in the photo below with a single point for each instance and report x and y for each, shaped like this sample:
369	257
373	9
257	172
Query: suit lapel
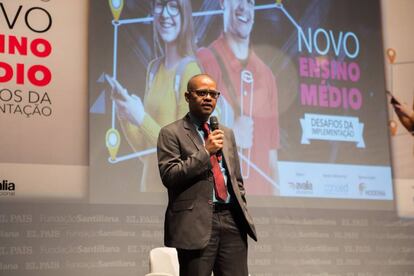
192	133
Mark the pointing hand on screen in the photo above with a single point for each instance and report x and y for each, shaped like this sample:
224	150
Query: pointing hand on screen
128	107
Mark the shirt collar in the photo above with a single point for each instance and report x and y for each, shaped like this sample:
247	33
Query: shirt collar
196	121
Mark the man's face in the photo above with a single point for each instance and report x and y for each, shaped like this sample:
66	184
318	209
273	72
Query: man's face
238	17
202	106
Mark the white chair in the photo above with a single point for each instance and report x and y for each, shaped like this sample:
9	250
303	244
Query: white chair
163	261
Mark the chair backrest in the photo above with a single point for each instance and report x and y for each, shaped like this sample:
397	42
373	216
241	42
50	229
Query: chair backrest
164	260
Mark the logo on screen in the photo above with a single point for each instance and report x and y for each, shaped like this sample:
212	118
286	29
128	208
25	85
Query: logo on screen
336	189
302	187
375	193
7	188
362	187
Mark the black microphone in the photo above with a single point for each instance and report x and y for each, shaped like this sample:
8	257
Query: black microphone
214	124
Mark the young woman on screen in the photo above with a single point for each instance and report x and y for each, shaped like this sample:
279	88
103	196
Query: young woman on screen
167	78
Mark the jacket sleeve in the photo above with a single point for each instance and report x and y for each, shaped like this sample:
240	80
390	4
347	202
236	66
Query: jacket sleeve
237	170
176	169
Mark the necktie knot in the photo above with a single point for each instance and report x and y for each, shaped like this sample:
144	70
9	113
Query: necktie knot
206	130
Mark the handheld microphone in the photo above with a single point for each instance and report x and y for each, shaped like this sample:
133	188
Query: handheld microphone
214	124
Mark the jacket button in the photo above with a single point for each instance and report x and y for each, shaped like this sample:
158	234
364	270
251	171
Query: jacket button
210	202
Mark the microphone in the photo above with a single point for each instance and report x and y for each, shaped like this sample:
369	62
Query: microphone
214	124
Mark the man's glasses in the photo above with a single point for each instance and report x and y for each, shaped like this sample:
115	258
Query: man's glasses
204	92
172	7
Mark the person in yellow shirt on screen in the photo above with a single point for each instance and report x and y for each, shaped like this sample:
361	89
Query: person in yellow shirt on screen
167	77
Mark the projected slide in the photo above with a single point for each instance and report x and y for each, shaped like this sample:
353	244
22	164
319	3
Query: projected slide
302	87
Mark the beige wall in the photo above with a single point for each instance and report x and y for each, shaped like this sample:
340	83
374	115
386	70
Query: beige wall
398	23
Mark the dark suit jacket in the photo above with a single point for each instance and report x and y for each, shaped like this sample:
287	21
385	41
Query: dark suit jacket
185	171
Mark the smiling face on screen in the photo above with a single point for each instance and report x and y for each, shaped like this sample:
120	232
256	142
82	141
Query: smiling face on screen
167	19
238	17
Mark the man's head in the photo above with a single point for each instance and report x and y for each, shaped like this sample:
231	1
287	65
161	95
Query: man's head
201	96
238	17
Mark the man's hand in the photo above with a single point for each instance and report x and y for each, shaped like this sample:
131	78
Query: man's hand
128	107
404	110
243	132
214	141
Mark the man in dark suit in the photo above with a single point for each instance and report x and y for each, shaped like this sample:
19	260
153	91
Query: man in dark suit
206	218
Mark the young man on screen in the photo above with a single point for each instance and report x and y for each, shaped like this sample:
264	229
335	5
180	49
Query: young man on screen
248	84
